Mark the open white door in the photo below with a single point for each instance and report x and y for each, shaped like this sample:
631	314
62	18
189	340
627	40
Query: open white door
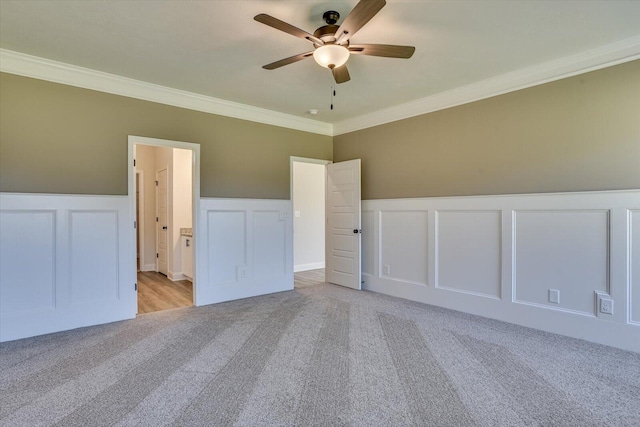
343	265
162	221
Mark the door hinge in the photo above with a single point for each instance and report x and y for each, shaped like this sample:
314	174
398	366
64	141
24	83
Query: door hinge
135	224
157	256
134	162
156	183
135	286
156	219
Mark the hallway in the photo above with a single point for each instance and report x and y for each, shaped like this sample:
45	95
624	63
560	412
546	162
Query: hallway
156	292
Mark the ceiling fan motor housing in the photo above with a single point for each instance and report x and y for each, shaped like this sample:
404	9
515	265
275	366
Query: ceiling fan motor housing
331	17
326	33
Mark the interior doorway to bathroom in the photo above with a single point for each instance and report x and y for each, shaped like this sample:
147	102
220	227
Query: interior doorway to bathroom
164	212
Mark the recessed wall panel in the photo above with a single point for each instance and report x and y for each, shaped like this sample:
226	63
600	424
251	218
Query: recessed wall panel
368	248
268	244
226	245
27	255
403	241
468	251
93	244
564	250
634	265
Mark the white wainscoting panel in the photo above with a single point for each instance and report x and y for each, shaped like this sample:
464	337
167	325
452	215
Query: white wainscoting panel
403	246
94	256
248	249
66	262
27	261
471	239
498	256
564	250
368	227
226	244
634	266
269	244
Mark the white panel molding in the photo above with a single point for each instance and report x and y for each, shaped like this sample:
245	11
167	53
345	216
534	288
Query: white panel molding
408	260
610	210
251	276
28	238
605	56
473	266
91	272
59	72
633	240
577	244
65	313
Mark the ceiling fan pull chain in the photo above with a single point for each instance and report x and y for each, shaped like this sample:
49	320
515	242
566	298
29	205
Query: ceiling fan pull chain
333	94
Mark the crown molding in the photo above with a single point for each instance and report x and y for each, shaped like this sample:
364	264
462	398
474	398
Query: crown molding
45	69
606	56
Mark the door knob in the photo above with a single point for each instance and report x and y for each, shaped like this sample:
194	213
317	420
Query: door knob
356	231
164	227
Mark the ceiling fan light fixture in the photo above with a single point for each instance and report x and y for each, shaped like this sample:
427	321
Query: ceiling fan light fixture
331	55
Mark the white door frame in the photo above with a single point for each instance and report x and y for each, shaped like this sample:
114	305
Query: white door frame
293	159
140	224
195	148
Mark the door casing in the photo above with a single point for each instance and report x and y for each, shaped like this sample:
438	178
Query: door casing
131	182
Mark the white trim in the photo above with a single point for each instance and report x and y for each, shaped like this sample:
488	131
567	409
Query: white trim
195	148
60	296
306	267
605	56
521	285
244	258
45	69
148	267
292	159
175	276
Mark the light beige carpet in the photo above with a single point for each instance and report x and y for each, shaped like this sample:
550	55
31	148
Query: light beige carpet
320	355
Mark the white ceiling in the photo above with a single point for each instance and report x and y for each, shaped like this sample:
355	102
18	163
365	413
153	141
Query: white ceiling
215	48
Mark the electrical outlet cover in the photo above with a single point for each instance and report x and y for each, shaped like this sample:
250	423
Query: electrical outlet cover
606	305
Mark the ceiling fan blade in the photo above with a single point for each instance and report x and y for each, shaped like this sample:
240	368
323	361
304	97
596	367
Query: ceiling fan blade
287	61
341	74
386	50
360	15
287	28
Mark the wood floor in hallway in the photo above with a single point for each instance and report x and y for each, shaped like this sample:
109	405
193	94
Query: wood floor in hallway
156	292
304	279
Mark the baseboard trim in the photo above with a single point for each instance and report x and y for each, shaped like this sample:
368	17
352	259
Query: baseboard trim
306	267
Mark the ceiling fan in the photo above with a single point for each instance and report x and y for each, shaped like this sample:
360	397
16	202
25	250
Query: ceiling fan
331	42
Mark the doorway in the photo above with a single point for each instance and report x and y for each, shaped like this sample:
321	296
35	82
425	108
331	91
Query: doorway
308	201
164	197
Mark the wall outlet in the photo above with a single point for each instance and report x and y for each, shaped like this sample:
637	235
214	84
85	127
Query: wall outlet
386	270
297	213
606	305
554	296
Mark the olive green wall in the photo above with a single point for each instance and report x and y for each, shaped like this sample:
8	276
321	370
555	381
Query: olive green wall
576	134
62	139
